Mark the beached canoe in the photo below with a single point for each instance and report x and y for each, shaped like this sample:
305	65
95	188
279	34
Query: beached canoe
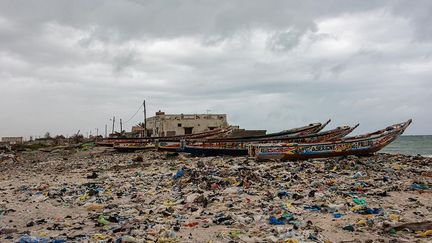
168	146
208	134
299	131
131	147
174	145
358	145
329	135
215	151
240	147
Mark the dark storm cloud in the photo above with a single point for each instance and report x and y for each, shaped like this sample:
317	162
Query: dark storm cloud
69	65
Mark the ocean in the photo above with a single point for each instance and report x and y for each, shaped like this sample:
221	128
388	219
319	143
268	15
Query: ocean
411	145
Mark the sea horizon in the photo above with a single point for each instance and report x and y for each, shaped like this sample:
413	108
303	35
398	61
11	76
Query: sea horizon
410	145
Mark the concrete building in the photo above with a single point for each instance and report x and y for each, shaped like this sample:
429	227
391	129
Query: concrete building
12	140
162	125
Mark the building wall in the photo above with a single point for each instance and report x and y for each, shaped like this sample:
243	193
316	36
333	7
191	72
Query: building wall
12	140
180	124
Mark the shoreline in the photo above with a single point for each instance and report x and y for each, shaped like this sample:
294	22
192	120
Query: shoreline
405	154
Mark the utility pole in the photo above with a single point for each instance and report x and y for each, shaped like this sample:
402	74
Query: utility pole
106	130
145	120
97	132
113	124
121	126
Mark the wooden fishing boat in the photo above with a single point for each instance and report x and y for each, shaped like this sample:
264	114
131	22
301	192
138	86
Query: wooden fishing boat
208	134
105	142
358	145
329	135
168	146
131	147
240	147
305	130
236	150
173	146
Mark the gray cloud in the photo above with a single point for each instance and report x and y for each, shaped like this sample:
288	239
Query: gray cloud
271	65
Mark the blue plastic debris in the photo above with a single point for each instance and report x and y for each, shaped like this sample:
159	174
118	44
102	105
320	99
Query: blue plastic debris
366	211
180	173
313	237
275	221
58	241
282	194
33	239
337	215
374	210
416	186
314	208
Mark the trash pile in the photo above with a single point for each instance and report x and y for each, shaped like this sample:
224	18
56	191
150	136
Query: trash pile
101	196
7	156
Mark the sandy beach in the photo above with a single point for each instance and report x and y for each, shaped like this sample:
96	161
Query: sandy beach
98	195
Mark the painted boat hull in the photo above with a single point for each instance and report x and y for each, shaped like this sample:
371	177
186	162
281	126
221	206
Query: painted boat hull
169	149
359	145
168	146
295	132
172	146
240	148
211	151
208	134
127	147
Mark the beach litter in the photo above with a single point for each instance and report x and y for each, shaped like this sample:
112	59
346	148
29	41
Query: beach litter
112	198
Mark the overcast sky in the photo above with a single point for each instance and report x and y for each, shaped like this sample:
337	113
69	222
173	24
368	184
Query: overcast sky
71	65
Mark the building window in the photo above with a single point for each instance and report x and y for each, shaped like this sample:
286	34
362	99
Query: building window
188	130
179	124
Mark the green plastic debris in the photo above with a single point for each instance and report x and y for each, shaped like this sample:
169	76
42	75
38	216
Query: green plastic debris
295	222
349	227
102	220
287	215
235	233
361	202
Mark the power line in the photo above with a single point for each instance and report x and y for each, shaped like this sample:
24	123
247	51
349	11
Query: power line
134	114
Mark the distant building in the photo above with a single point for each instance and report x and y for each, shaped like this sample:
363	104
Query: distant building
12	140
162	125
